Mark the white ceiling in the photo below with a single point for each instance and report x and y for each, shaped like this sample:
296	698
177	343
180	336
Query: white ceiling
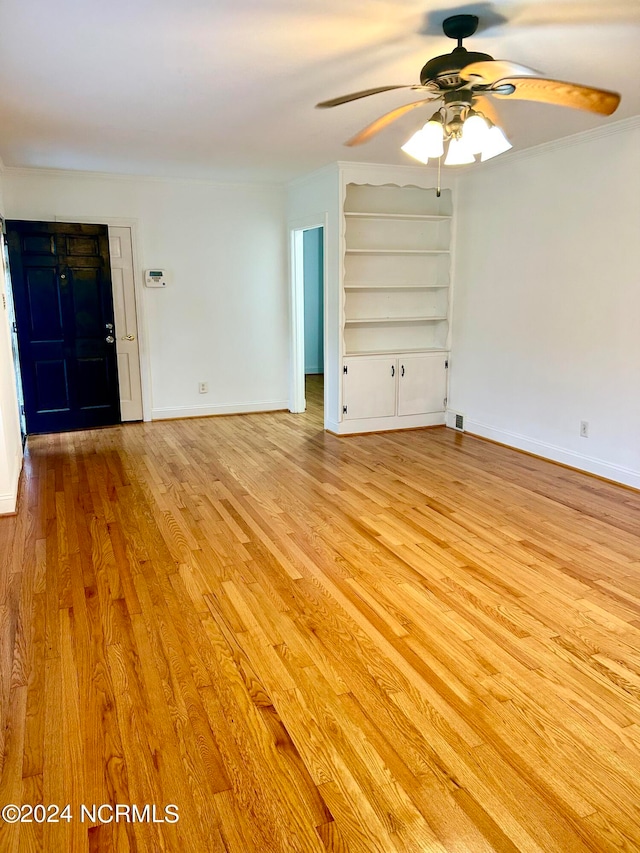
226	89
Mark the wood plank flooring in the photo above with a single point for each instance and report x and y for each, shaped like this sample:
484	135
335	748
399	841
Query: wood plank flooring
379	644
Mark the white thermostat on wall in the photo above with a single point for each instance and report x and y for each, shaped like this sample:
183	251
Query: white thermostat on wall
155	278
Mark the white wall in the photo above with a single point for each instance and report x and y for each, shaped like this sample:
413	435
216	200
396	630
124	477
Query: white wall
547	302
10	437
223	319
315	200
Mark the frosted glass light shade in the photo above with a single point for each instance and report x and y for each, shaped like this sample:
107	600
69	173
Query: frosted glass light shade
474	133
495	143
415	147
426	143
458	153
433	136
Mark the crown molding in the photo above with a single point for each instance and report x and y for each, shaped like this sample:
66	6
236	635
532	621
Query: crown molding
408	167
614	128
308	177
605	130
34	171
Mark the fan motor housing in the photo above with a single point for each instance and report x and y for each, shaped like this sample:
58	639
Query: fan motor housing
446	69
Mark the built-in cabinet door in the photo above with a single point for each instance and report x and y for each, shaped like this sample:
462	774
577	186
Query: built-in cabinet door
422	384
369	387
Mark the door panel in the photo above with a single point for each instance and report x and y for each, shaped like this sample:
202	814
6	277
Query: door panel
421	384
369	387
124	376
92	375
124	303
45	310
90	321
52	386
62	291
38	244
82	246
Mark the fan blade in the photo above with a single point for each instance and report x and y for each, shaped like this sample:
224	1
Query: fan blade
559	92
484	105
344	99
380	123
496	69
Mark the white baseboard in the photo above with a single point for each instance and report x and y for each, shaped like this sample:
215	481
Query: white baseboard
8	503
608	470
9	499
167	413
361	425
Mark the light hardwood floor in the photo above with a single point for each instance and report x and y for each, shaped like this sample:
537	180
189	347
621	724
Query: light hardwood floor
379	644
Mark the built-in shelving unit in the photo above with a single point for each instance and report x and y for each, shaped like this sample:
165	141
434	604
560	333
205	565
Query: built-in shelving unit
396	269
389	247
395	300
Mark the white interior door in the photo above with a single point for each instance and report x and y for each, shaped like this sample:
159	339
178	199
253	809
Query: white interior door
126	322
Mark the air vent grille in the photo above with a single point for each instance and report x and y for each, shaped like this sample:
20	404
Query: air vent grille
460	422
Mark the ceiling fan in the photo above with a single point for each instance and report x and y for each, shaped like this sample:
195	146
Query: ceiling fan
463	80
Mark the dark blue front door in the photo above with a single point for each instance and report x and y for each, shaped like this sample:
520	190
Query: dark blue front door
61	283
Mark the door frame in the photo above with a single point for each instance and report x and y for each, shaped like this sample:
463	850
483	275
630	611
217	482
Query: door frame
297	227
141	317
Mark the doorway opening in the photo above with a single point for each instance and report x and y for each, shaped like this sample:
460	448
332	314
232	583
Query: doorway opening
308	315
13	330
77	324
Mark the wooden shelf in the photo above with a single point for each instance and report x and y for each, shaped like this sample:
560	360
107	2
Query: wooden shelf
370	321
397	251
420	216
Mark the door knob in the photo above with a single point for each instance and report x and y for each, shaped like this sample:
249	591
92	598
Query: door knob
109	339
129	338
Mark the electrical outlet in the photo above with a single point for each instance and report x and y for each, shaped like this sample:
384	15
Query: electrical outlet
584	429
203	387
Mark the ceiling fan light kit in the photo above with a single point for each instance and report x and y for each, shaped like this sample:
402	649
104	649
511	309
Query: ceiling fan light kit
466	135
463	80
466	131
